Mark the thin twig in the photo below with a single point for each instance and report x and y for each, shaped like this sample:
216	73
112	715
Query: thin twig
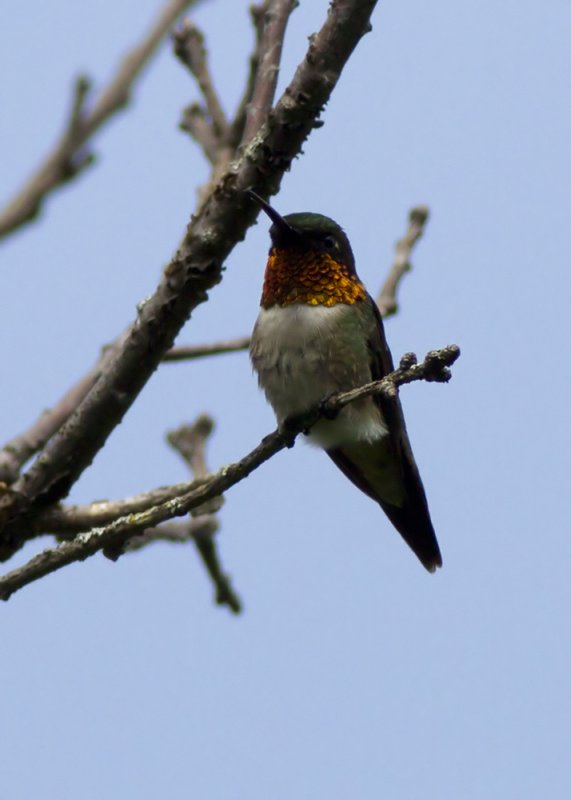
203	350
69	156
189	48
174	532
15	453
387	299
81	157
67	521
207	125
225	594
22	447
236	131
190	442
194	121
275	14
434	368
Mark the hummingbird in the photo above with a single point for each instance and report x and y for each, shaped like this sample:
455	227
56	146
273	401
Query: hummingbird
319	332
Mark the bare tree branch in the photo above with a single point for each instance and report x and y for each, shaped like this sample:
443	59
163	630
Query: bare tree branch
435	367
218	139
15	453
189	47
197	266
69	156
194	121
190	442
203	350
18	450
387	299
225	594
275	15
67	521
174	532
207	125
237	127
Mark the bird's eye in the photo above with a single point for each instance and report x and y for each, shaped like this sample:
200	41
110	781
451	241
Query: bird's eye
330	243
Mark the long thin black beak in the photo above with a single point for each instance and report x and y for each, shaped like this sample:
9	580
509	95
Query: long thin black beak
276	218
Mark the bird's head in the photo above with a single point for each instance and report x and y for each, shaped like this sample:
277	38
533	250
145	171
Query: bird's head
310	261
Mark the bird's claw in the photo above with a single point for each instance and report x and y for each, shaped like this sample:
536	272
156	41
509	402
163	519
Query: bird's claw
289	429
325	409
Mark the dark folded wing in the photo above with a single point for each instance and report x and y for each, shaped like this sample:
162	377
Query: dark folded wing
410	514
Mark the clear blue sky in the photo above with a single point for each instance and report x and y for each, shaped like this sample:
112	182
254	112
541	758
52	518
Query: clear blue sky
352	673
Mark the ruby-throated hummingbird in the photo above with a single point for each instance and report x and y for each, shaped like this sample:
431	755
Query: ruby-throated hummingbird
318	333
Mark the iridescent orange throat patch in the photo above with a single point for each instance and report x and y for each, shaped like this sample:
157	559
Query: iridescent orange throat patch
315	279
